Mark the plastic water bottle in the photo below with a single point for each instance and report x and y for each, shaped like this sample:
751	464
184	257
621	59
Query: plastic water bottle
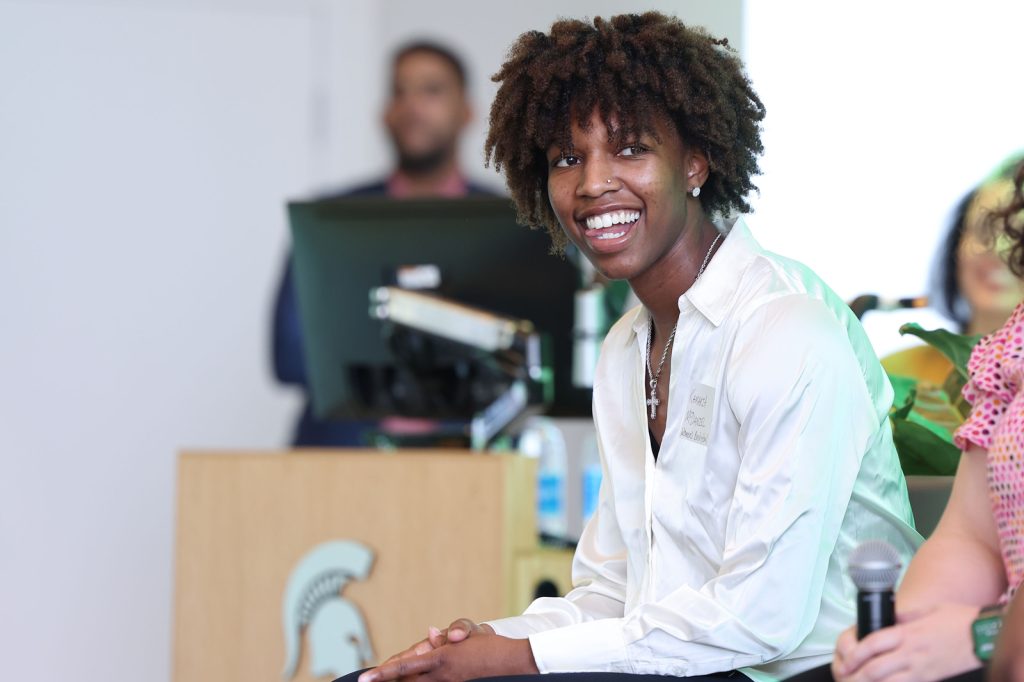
588	330
542	439
591	471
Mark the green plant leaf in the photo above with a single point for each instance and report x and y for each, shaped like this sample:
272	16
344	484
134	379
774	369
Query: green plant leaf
616	293
954	386
956	347
904	392
922	451
943	428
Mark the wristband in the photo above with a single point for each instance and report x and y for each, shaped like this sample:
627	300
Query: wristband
985	630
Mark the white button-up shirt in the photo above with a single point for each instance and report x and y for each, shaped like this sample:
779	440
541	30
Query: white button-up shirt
729	550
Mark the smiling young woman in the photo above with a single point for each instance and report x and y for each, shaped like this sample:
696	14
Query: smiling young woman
607	196
741	414
629	207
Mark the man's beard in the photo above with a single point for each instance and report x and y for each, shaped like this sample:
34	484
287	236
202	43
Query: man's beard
422	163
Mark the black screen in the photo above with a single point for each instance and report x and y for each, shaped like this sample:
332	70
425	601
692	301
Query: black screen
345	247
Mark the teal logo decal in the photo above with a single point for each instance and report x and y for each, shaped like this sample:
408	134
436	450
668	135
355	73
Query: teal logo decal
313	605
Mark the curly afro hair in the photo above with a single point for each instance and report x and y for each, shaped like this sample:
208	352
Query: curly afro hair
635	69
1011	219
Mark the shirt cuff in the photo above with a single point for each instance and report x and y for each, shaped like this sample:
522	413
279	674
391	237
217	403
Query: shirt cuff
521	627
597	646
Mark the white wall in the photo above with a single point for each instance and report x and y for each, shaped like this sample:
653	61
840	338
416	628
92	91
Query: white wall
146	150
881	115
481	33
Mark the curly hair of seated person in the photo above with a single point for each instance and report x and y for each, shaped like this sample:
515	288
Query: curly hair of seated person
634	69
1010	218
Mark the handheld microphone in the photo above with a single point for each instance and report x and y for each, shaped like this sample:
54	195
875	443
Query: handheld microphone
874	568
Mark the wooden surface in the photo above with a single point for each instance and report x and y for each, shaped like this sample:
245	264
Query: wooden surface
539	565
446	527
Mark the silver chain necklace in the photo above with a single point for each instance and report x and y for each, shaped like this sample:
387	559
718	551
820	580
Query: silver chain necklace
653	401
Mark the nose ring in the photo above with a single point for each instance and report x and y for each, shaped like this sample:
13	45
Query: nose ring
609	181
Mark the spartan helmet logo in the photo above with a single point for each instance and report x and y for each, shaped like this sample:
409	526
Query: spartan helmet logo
338	640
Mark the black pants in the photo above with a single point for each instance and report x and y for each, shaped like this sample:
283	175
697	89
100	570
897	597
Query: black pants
824	674
731	676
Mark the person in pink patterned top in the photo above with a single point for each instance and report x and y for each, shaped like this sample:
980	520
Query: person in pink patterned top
996	424
975	557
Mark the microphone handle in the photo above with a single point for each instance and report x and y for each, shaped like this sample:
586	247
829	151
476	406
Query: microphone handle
875	610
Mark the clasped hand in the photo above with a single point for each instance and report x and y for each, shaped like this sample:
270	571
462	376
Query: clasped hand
462	651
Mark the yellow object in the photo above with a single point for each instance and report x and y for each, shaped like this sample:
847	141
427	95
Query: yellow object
923	363
543	564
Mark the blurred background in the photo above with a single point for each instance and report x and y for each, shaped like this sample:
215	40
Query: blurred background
147	149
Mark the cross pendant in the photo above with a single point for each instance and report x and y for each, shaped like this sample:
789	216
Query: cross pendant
653	402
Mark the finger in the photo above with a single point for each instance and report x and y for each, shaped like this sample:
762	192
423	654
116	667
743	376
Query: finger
838	667
883	667
461	629
904	676
416	649
844	645
875	644
838	671
436	637
421	648
401	668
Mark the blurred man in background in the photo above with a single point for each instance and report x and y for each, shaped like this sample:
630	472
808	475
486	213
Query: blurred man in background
425	115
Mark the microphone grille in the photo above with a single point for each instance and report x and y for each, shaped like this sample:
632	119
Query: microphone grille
875	565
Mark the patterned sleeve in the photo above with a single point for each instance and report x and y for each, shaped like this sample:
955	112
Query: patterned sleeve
996	371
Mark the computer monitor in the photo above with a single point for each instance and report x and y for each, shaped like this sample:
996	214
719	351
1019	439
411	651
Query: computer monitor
343	248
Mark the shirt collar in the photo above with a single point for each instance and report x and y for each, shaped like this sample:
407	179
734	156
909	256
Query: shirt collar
714	293
451	186
716	290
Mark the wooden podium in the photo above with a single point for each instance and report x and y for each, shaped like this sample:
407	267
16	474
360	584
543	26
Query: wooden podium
452	534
